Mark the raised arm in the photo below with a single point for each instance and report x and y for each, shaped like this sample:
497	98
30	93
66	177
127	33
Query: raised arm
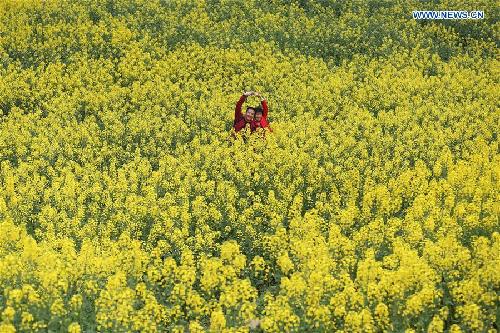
263	102
265	109
237	111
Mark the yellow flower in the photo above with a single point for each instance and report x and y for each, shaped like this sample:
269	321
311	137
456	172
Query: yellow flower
8	314
436	325
74	328
196	327
76	302
26	320
284	263
57	308
217	321
7	328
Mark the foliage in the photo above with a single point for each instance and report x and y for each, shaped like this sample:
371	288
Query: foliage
126	206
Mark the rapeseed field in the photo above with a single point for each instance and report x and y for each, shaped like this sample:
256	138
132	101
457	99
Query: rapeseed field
128	203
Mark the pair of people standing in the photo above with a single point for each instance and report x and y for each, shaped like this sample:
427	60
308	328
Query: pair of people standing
254	117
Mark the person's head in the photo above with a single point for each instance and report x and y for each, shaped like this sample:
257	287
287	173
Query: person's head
249	114
258	113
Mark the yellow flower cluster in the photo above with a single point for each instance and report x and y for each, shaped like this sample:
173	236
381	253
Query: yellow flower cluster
126	205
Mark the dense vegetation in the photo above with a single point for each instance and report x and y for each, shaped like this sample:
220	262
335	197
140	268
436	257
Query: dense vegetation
125	206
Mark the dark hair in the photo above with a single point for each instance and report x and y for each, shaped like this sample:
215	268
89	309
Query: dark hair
258	109
251	107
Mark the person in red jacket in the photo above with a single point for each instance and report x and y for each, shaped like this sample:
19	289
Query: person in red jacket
241	121
260	117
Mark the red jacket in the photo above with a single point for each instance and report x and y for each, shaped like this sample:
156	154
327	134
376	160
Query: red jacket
263	121
239	120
